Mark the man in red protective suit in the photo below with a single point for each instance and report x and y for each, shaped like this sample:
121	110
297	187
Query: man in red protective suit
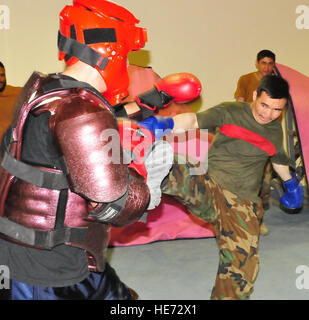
60	190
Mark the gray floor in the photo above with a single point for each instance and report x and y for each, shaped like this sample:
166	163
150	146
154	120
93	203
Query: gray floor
185	269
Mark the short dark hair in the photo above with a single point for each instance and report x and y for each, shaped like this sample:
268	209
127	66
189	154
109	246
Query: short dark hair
1	65
266	54
276	87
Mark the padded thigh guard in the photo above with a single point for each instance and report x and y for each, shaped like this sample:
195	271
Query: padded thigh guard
87	134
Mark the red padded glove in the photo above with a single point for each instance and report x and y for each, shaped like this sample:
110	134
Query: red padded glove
179	87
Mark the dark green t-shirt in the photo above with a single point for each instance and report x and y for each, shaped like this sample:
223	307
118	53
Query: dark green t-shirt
241	148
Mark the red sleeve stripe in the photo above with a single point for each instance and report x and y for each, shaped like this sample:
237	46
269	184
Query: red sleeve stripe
237	132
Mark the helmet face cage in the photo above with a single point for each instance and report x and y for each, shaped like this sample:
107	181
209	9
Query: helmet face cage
101	34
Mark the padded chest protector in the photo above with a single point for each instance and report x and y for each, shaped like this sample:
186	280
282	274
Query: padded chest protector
39	206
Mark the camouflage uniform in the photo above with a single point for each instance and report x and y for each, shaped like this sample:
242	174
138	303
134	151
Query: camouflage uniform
235	222
227	196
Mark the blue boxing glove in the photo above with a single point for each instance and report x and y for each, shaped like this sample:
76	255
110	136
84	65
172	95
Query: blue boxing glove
158	126
294	195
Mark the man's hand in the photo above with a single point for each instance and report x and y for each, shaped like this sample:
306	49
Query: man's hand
294	195
158	126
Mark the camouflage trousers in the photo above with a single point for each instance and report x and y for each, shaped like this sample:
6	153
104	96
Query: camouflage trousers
235	222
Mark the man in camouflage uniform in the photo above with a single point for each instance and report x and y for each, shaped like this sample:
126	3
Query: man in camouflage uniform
227	195
235	222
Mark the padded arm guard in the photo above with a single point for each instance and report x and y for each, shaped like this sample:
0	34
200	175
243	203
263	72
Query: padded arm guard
87	134
127	209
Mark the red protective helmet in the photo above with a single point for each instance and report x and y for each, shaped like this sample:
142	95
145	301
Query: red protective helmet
101	34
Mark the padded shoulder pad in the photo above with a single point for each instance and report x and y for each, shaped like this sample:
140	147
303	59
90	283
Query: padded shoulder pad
87	134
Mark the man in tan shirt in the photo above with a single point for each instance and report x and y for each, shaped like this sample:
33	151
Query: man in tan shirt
248	83
8	96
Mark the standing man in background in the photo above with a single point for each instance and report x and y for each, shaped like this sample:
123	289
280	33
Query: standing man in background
248	83
8	96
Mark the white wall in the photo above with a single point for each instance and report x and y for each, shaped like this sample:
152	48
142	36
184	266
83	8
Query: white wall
217	40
